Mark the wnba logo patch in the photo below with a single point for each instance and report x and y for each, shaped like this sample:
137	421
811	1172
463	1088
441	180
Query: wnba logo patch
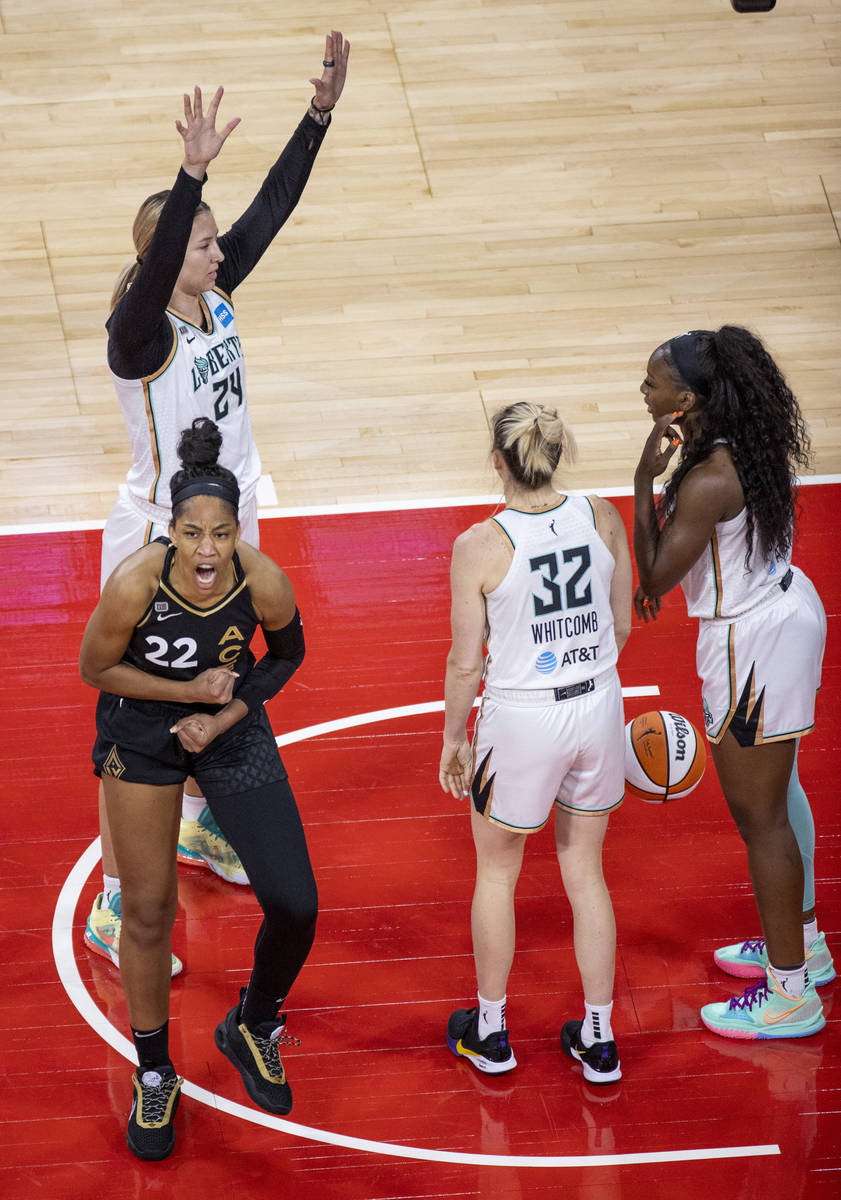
546	662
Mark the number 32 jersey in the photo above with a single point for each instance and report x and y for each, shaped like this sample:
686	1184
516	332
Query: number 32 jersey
204	376
550	621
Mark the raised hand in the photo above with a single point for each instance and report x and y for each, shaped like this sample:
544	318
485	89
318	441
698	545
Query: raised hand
329	87
202	141
655	456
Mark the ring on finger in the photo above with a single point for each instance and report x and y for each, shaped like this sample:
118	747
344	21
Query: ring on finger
328	62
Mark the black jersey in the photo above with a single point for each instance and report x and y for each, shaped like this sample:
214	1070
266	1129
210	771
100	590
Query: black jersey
177	640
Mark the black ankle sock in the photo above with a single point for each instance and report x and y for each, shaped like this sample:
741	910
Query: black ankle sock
258	1008
152	1047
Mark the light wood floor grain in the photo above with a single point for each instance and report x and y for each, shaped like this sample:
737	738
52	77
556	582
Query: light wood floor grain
516	200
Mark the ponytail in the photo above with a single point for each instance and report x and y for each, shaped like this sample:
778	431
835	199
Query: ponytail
532	440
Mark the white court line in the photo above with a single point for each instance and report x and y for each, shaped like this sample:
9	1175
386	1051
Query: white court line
68	972
363	506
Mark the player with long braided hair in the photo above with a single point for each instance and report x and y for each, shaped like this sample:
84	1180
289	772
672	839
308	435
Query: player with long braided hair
724	530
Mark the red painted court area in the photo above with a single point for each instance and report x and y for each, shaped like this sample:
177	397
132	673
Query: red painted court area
394	862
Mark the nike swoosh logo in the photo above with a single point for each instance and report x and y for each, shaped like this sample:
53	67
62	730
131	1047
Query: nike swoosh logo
462	1049
167	616
770	1019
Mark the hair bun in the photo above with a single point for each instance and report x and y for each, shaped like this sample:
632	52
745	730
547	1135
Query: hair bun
199	445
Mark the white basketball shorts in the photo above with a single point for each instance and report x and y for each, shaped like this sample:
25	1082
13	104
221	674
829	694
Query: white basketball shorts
759	673
126	530
531	753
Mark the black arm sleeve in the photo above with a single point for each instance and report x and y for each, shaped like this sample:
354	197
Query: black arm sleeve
249	237
139	334
285	654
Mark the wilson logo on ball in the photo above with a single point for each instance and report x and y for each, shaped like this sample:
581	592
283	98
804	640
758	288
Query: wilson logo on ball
664	757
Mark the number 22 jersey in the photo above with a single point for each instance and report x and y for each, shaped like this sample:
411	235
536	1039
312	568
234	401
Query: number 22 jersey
178	640
550	621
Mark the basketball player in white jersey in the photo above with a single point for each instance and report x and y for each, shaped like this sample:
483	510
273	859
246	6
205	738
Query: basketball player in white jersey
724	532
175	354
546	586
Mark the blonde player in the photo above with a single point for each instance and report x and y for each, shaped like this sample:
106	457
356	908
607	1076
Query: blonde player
175	354
546	585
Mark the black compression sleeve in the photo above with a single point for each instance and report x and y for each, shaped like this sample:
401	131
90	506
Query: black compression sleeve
286	651
139	334
250	236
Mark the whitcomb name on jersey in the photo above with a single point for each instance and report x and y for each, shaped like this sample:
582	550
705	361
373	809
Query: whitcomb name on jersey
558	628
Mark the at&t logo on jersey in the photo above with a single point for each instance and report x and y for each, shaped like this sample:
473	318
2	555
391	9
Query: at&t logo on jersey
223	314
546	662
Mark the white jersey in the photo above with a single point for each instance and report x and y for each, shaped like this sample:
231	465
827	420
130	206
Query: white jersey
204	376
550	623
719	586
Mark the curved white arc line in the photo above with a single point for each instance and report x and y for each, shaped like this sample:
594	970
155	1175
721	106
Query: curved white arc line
405	710
68	973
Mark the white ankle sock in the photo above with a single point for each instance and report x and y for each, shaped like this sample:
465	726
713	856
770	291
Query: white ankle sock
810	933
791	983
596	1024
110	889
491	1016
191	806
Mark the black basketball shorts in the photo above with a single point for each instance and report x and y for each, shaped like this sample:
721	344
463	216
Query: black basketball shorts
134	744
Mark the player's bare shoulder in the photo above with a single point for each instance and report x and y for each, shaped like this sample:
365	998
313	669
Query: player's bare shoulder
269	585
135	580
483	552
713	486
609	524
481	540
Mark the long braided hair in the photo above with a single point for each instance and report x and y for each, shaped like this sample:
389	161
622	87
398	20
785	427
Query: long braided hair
748	404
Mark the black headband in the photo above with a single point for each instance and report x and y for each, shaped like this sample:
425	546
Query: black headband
683	351
206	486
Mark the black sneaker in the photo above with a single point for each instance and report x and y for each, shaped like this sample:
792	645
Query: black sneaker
255	1055
151	1133
600	1061
492	1054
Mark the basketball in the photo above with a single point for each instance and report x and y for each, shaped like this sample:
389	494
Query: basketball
664	757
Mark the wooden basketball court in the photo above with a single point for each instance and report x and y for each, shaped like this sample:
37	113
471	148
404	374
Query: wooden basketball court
516	200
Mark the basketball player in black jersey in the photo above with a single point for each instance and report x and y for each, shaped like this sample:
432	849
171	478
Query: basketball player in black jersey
181	695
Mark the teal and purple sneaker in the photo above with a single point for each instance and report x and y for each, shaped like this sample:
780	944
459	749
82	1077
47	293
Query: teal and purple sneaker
749	960
764	1011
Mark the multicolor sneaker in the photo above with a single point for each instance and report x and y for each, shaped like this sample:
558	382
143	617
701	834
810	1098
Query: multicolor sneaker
765	1011
202	844
749	960
254	1053
103	928
151	1132
492	1055
600	1061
